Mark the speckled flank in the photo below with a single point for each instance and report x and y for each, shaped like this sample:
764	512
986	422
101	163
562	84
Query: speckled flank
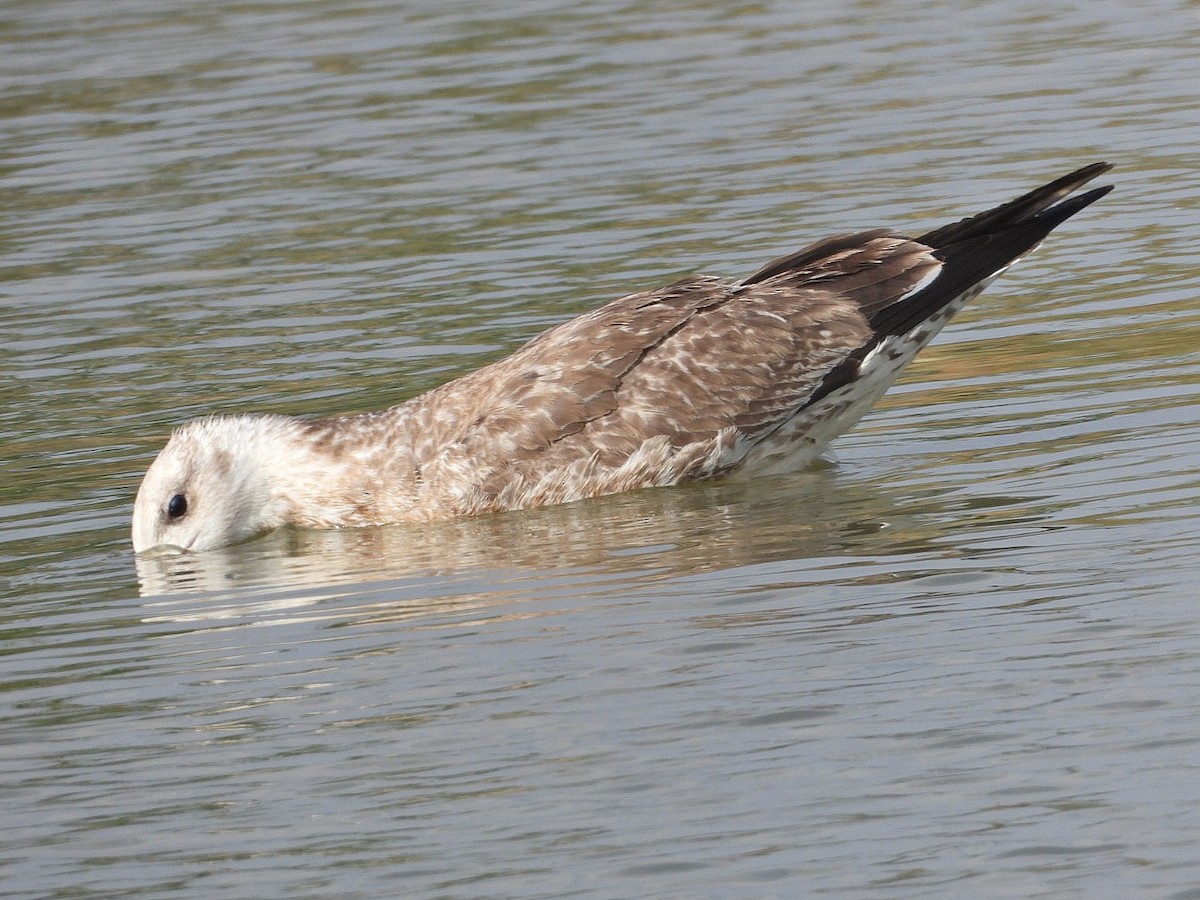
697	379
801	439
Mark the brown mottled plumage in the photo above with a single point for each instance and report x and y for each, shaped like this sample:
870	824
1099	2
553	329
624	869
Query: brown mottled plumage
700	378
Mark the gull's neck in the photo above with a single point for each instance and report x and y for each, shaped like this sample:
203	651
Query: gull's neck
332	472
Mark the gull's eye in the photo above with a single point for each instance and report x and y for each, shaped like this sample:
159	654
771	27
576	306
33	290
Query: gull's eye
177	507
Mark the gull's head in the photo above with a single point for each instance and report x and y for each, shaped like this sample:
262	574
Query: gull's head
210	486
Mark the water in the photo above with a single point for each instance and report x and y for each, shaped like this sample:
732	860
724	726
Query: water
960	661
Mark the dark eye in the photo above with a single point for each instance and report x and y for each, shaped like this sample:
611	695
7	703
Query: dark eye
177	507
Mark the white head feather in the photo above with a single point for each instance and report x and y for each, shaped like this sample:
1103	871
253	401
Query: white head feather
211	485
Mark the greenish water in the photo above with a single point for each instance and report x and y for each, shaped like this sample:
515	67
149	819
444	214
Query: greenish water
960	661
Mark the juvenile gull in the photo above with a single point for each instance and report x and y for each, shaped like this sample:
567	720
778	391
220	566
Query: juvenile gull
703	377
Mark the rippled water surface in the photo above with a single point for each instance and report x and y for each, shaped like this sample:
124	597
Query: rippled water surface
962	660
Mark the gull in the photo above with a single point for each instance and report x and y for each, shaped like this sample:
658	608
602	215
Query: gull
703	378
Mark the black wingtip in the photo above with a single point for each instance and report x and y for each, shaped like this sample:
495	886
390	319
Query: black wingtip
972	251
975	249
1060	212
1023	209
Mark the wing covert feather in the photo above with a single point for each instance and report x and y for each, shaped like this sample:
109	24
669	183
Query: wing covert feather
683	362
